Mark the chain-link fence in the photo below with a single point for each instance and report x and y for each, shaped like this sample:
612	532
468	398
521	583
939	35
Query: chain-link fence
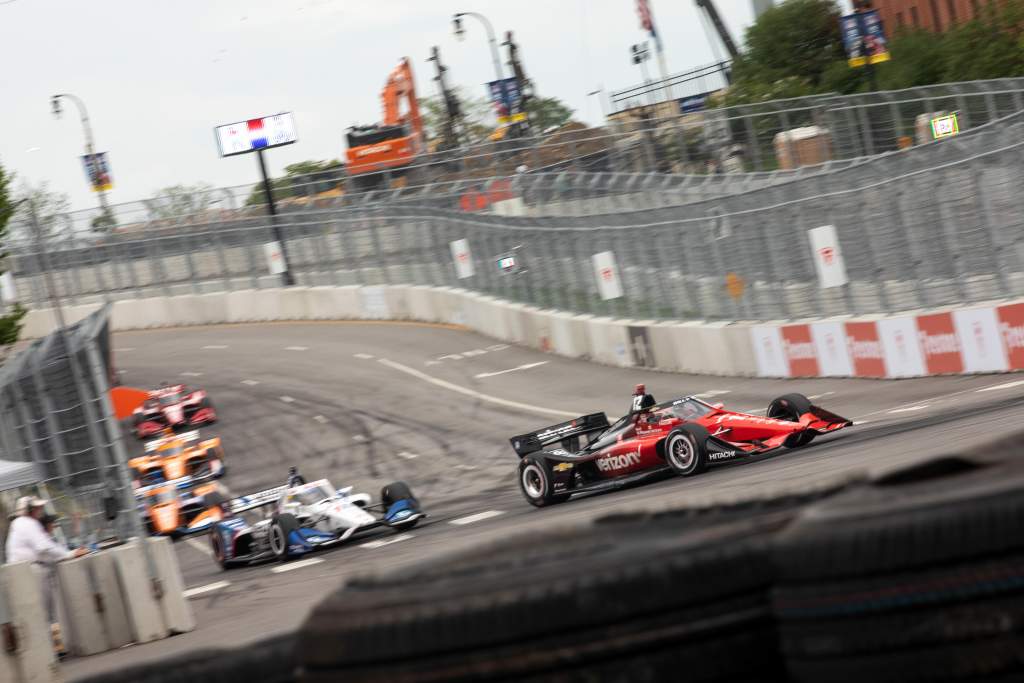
55	412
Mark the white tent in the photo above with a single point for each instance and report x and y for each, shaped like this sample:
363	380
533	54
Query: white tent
15	474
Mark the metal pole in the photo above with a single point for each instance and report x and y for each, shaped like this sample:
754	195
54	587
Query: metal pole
286	277
90	147
490	39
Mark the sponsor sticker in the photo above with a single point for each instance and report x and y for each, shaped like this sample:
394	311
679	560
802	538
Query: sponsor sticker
613	463
1011	330
866	351
937	336
799	349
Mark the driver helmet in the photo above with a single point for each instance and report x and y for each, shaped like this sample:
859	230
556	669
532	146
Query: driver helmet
640	390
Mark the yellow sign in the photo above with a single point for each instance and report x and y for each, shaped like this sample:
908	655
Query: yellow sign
734	284
515	118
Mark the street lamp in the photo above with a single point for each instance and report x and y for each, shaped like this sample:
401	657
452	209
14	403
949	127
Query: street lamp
460	34
90	147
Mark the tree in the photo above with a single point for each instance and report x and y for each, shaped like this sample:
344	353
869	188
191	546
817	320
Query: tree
52	210
478	118
180	200
11	320
300	179
547	112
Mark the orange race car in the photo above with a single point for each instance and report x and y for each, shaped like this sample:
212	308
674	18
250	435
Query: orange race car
180	506
178	455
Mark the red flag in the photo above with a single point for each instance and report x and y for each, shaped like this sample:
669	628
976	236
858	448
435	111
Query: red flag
646	22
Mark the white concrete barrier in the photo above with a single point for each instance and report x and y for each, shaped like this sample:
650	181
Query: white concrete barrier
82	618
609	342
144	611
175	609
34	660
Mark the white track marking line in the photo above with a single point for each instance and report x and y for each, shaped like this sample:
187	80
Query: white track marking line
216	346
478	517
407	455
432	362
296	348
516	369
124	349
321	419
363	356
474	394
909	409
497	347
827	393
860	422
191	374
465	467
296	565
192	592
922	401
201	547
380	544
288	399
250	382
359	438
474	352
996	387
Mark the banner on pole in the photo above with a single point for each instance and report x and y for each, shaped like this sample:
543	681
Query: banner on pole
97	171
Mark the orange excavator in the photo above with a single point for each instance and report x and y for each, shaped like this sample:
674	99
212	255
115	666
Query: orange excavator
396	141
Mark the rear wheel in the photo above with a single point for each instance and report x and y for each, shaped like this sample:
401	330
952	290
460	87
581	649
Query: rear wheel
396	491
790	407
536	483
218	550
686	450
281	527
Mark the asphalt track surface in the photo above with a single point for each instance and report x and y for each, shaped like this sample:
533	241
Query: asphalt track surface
366	403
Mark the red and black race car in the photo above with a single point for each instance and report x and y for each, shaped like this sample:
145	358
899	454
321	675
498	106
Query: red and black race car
683	436
172	407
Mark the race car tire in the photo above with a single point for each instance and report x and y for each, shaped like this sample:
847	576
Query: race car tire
396	491
685	450
281	526
205	402
535	482
640	601
918	576
218	551
790	407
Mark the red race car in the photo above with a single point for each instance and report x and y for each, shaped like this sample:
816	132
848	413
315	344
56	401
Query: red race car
172	407
683	436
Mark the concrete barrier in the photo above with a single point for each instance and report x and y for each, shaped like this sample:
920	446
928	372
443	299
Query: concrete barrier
145	613
85	632
964	340
175	609
33	660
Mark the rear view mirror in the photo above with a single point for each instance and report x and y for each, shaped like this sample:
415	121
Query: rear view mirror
717	406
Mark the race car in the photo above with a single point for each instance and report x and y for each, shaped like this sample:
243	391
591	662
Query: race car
683	436
180	506
174	456
172	407
292	520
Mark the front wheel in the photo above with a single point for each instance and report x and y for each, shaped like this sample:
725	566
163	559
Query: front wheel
686	453
536	484
218	550
281	528
790	407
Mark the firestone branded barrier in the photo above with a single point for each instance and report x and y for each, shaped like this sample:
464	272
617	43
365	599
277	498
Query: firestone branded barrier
951	341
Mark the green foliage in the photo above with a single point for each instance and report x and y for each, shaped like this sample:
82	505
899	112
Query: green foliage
10	323
547	112
296	180
51	210
796	38
478	118
180	200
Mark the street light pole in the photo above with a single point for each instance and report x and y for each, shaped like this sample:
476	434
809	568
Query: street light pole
90	147
459	31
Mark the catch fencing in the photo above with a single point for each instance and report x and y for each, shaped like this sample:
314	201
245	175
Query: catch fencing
55	412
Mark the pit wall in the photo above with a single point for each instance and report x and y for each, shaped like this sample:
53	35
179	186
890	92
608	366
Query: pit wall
975	339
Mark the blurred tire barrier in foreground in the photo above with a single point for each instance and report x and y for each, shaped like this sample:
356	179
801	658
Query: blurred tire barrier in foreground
914	576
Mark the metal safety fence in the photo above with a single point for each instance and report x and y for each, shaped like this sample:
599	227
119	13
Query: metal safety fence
55	413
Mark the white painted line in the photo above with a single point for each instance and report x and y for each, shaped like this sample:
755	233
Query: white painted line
465	467
280	569
474	352
827	393
124	348
288	399
216	346
432	362
192	592
380	544
407	455
502	372
474	394
191	374
296	348
320	418
359	438
497	347
201	547
363	356
250	382
860	422
478	517
911	409
1007	385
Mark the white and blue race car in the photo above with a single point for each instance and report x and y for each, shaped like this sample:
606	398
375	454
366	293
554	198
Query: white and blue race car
292	520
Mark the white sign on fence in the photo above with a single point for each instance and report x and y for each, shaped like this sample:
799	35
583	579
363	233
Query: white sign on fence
275	259
463	259
8	292
607	273
828	260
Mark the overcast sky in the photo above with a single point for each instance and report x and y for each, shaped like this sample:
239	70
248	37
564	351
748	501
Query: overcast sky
158	75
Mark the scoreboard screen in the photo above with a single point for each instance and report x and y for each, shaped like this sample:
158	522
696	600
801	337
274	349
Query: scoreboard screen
255	134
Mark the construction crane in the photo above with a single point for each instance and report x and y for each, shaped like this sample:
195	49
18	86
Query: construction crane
723	33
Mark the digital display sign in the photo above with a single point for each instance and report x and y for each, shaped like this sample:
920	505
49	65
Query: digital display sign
256	134
945	126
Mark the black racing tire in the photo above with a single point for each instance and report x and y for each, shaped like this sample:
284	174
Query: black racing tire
685	450
537	483
918	577
205	402
790	407
281	525
396	491
217	545
636	602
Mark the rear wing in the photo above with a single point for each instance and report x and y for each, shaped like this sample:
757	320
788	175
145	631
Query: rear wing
524	444
256	500
184	437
